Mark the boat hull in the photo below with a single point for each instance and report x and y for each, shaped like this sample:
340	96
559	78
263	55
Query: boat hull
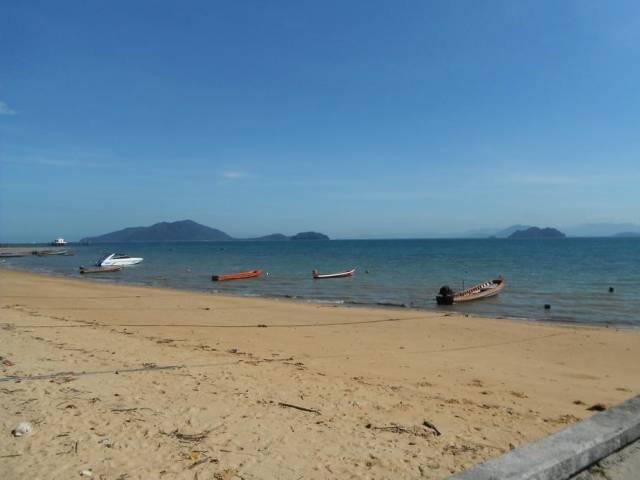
121	263
349	273
50	253
236	276
486	289
110	261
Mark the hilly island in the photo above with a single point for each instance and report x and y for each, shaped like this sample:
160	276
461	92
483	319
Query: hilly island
188	231
535	232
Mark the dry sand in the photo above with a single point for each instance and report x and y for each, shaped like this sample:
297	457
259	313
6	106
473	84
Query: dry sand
373	376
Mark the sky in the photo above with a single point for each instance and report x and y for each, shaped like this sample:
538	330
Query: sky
358	119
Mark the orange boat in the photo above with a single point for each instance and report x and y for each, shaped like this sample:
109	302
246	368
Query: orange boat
236	276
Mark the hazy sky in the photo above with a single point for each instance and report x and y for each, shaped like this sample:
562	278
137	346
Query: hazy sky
353	118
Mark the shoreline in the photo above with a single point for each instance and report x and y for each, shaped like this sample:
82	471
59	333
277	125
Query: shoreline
329	303
122	370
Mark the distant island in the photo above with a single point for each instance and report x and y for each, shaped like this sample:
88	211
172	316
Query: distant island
580	230
279	237
182	231
310	236
494	233
627	235
535	232
187	231
274	237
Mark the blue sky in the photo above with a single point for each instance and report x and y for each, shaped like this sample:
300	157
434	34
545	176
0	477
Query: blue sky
381	119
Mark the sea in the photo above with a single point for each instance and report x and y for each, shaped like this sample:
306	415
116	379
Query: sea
571	275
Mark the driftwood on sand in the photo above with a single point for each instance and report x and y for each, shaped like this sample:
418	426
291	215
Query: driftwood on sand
297	407
188	437
427	429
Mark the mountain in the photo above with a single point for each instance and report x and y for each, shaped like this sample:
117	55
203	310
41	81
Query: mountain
507	232
274	237
582	230
479	233
181	231
310	236
627	235
494	232
600	229
187	231
279	237
535	232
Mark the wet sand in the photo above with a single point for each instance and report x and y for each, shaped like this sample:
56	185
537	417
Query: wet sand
263	388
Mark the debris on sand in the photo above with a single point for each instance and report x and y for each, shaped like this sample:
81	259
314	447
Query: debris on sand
133	409
454	449
201	461
23	428
297	407
106	442
426	430
428	424
188	437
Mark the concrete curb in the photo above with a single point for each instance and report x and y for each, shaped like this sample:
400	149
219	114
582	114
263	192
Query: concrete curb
563	454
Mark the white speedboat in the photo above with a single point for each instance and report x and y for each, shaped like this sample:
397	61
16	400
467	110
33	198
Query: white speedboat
118	259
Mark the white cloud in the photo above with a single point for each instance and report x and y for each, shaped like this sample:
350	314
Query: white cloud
229	177
6	110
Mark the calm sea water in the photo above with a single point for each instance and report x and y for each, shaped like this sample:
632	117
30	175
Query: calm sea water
572	275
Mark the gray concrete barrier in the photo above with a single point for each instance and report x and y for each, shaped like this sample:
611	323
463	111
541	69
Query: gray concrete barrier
563	454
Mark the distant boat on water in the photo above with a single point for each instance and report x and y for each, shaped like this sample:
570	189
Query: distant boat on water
48	253
237	276
318	276
481	290
59	242
118	259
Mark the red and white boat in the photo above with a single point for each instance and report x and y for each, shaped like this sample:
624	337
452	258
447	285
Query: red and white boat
237	276
317	275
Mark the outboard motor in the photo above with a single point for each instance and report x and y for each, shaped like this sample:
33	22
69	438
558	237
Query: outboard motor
445	296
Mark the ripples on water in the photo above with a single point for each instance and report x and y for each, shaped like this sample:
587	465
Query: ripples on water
573	275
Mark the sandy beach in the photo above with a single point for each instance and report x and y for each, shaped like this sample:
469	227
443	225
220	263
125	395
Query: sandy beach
137	382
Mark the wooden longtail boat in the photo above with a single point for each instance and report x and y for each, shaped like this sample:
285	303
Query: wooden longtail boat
481	290
47	253
318	276
112	268
236	276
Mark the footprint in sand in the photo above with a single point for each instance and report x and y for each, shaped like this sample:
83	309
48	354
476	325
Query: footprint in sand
519	394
